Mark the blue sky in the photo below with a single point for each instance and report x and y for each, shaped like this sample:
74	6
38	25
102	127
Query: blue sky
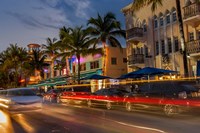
32	21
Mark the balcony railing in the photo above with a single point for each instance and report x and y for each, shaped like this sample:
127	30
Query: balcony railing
134	32
135	59
193	47
191	10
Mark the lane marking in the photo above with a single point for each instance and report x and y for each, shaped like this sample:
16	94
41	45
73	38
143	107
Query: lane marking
141	127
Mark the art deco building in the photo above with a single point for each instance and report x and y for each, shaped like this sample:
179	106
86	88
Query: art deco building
116	63
153	38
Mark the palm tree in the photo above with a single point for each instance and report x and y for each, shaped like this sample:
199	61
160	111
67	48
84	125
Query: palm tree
38	63
23	58
137	4
63	33
27	71
106	29
11	61
76	42
14	58
4	70
51	50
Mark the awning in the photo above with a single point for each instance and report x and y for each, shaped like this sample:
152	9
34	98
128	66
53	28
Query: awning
86	74
61	82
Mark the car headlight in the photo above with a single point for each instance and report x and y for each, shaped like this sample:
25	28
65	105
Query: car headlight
10	102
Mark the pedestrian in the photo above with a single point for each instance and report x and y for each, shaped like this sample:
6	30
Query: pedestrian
132	88
137	89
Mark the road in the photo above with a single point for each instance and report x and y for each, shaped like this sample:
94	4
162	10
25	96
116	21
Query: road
55	118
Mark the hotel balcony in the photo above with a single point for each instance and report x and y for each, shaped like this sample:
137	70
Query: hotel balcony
192	14
193	48
134	34
135	59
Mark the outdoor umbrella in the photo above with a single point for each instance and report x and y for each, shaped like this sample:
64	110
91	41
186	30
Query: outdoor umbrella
147	71
151	71
96	77
126	76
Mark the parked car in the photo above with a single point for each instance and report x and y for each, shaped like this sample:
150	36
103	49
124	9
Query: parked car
108	97
51	95
171	97
74	95
19	99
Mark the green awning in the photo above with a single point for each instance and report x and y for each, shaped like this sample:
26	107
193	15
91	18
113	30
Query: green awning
83	75
61	82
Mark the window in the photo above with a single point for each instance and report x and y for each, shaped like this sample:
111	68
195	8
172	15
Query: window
198	35
124	60
157	48
94	64
191	36
155	23
141	50
174	16
145	27
83	67
161	21
168	18
169	45
133	51
138	50
146	51
163	47
176	47
114	61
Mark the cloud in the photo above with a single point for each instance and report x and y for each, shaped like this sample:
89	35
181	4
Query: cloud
38	15
32	22
81	7
52	13
37	8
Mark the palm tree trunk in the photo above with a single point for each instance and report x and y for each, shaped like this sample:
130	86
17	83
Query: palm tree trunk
79	69
67	66
104	59
180	20
52	67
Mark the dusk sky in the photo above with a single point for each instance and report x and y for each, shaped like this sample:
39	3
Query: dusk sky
32	21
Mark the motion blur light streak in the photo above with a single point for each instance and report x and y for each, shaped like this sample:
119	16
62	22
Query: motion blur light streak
5	123
3	105
3	118
26	126
141	127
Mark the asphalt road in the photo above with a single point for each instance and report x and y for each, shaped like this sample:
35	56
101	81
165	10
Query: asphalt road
55	118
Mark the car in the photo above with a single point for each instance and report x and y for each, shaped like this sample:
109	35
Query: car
74	95
19	100
107	97
171	97
51	95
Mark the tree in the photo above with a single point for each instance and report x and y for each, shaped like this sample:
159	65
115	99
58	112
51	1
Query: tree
137	4
38	63
50	50
11	61
76	41
106	29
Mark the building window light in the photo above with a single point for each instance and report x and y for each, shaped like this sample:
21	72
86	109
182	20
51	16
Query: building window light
157	48
174	17
168	18
145	27
161	21
155	23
